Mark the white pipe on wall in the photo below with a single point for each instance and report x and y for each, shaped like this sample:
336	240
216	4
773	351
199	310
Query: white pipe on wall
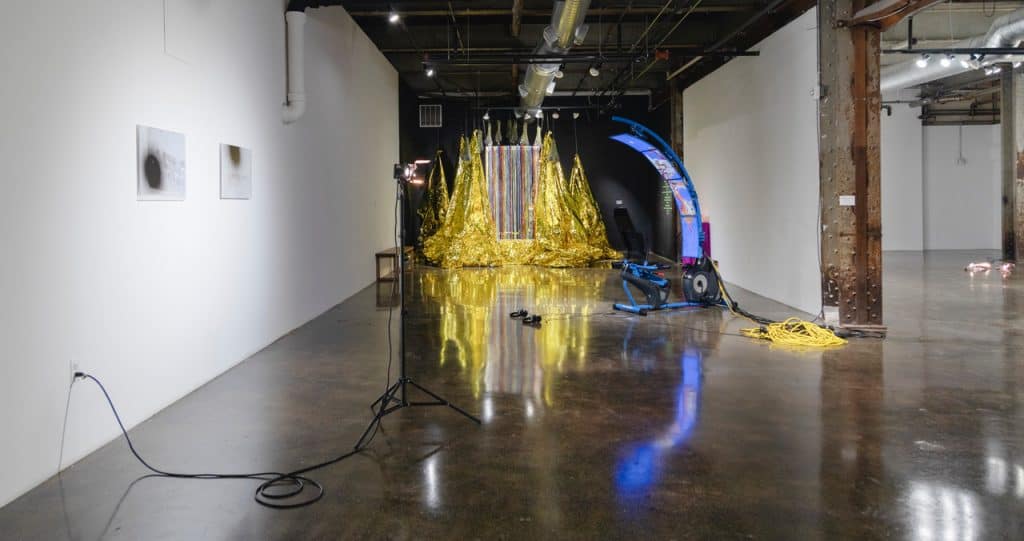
295	106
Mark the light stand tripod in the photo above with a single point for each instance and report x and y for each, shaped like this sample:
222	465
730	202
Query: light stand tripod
395	396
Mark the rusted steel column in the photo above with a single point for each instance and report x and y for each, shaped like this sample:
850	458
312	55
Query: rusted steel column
1012	126
850	104
676	105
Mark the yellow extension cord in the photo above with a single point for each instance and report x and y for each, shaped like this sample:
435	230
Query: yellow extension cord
792	332
796	332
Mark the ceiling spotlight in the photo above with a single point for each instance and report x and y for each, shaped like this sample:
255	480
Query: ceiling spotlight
965	64
555	115
575	116
487	115
595	70
393	17
430	72
559	73
923	61
946	61
540	114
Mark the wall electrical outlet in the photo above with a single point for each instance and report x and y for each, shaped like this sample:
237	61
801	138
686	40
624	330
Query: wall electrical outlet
73	365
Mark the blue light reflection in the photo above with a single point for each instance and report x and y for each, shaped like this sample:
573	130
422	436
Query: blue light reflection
639	468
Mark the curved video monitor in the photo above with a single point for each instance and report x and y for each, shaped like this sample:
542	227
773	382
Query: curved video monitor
688	217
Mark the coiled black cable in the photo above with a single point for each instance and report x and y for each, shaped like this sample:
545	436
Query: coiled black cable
276	486
269	493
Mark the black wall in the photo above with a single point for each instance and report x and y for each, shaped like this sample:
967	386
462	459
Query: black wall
616	173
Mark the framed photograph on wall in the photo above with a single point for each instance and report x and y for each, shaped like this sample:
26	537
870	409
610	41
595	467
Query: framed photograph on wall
161	164
235	172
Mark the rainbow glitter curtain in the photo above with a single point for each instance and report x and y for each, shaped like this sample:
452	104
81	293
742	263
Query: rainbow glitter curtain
468	237
435	203
510	182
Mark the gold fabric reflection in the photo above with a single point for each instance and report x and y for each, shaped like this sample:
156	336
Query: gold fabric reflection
569	231
497	353
468	237
435	203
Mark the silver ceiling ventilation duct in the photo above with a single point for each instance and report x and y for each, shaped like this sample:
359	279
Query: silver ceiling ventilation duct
1006	31
567	29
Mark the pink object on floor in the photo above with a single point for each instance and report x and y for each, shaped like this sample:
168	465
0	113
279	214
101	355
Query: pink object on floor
706	227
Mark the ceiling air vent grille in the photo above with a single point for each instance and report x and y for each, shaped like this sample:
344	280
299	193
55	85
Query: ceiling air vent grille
430	116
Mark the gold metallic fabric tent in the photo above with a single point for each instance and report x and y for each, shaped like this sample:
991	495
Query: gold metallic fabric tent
435	203
568	229
468	237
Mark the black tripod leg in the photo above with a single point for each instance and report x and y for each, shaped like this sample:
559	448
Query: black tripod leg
384	400
435	396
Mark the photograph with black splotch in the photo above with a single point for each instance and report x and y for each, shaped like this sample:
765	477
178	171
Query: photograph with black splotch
235	172
161	156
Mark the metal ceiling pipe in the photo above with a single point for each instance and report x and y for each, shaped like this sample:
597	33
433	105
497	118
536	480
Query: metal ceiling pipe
566	29
1006	31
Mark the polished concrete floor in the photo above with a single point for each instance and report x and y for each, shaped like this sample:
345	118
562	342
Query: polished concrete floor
598	425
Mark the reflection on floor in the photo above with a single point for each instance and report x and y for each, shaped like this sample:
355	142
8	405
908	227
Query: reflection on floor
597	425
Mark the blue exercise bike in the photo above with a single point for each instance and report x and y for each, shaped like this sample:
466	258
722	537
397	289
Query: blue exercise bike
700	278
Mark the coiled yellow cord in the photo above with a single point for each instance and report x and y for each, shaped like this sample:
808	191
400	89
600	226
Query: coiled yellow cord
796	332
792	332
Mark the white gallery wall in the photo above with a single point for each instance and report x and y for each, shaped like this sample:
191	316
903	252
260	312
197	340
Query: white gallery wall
962	199
752	149
902	177
157	298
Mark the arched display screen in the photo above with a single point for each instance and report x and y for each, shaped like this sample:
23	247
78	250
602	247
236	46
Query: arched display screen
689	212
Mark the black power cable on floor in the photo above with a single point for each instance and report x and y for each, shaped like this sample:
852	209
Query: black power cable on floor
276	486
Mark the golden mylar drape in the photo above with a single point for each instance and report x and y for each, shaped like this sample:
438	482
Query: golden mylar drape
561	238
468	237
588	212
568	229
435	202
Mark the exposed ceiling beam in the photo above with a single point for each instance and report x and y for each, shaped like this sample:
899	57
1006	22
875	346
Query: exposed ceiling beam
887	13
520	50
546	13
767	10
517	17
565	59
786	12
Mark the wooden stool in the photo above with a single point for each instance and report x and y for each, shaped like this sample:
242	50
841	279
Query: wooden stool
392	254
